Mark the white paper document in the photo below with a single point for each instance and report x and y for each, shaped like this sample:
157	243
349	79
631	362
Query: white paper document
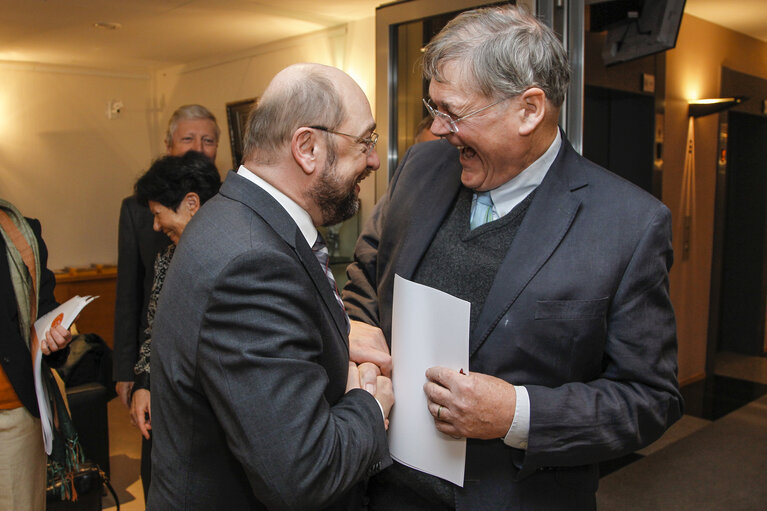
65	314
429	328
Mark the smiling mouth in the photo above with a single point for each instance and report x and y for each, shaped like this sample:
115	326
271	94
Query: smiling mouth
467	152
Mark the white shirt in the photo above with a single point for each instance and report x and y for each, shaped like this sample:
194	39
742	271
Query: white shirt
505	197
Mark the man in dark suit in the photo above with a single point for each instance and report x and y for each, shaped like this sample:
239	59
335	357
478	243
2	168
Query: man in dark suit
22	456
572	334
254	401
191	127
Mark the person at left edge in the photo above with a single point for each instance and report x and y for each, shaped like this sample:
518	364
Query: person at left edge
254	402
22	456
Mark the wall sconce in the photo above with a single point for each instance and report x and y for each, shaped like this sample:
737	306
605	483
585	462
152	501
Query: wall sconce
701	107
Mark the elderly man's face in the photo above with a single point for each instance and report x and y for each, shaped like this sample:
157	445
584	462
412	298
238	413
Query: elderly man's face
194	135
492	151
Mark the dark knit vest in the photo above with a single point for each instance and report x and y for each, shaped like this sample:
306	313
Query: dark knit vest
463	262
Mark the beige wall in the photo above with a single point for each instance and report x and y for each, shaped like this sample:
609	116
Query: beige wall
693	71
63	162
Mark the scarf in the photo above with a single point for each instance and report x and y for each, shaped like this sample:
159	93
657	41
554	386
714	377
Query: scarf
23	282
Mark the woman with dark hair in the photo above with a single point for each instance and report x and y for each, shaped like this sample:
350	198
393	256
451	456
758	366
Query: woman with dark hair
174	188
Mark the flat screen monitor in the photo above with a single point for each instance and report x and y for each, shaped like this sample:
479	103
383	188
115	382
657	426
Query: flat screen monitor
636	28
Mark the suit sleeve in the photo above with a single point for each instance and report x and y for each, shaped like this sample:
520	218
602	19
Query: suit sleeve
360	293
636	396
128	296
260	361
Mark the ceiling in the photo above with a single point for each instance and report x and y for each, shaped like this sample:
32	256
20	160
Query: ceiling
160	33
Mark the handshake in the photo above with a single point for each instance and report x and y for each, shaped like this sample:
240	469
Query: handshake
370	365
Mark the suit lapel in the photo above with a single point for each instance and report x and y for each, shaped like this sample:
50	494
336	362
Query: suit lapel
546	223
427	216
264	205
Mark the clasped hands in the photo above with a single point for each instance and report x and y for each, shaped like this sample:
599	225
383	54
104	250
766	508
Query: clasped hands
470	405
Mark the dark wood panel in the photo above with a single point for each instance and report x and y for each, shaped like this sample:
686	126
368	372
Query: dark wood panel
98	316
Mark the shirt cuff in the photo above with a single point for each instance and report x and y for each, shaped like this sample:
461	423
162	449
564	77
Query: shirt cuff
383	415
520	426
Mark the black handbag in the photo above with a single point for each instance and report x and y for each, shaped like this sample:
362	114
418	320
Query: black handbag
89	482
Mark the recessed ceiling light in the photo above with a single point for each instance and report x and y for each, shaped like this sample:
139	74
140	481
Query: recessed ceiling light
106	25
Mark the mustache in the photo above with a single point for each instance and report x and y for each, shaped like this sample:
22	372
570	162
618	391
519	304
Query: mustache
365	174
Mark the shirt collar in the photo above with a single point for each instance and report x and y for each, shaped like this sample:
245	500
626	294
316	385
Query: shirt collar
513	191
299	215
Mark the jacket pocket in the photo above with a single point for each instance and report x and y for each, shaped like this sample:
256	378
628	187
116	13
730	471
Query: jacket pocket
571	309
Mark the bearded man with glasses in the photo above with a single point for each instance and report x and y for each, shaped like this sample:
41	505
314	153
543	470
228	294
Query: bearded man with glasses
572	334
254	402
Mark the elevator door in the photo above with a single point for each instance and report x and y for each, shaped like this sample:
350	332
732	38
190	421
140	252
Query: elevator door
618	133
744	257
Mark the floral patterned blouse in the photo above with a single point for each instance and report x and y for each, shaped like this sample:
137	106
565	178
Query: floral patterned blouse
141	369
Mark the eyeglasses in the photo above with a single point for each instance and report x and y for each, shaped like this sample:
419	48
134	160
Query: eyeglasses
452	122
369	142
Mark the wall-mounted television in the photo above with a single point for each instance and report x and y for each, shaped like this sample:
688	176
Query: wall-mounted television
636	28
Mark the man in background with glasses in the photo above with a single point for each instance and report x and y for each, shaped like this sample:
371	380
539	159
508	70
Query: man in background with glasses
572	333
254	402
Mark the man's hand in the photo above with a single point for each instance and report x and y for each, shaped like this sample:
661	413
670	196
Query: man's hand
123	389
367	344
140	413
380	388
471	405
56	338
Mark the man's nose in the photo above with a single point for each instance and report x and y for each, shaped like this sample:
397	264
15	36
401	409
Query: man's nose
197	145
373	161
440	127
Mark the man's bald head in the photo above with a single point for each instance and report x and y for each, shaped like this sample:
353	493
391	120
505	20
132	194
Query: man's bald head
299	95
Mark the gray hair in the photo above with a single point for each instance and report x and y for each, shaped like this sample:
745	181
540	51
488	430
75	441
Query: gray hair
310	101
505	51
188	112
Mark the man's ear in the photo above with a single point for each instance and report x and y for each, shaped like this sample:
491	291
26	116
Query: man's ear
535	105
191	201
304	147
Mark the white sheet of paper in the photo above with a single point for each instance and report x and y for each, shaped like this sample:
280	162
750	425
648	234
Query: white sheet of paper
429	328
65	314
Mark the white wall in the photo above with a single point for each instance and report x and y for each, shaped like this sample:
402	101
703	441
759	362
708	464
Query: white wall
62	161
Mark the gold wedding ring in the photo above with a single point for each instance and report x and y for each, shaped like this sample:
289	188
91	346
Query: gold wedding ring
439	410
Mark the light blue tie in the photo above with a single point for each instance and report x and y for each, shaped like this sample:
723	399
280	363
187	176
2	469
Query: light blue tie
483	210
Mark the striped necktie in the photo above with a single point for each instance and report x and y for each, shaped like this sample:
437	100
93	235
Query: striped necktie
323	256
483	210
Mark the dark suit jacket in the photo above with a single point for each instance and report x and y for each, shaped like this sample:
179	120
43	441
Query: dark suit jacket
579	313
249	369
137	247
14	354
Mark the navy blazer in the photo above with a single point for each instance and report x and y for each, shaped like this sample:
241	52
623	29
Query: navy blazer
14	354
249	369
579	312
